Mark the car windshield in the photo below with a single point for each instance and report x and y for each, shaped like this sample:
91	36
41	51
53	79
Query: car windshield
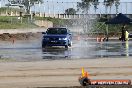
56	31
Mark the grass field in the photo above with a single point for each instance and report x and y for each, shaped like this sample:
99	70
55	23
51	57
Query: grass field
7	22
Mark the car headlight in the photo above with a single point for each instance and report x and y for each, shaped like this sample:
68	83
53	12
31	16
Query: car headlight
62	38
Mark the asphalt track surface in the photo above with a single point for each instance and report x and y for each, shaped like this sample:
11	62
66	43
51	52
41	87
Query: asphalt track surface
31	50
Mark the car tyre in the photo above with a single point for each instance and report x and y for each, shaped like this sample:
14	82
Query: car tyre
66	46
70	44
43	45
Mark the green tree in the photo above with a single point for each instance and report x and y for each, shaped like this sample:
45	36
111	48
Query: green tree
109	3
84	5
117	3
95	3
70	11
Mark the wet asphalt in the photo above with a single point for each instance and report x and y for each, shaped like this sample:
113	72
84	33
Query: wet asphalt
82	48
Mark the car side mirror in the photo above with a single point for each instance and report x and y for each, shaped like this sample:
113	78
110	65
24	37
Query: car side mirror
43	32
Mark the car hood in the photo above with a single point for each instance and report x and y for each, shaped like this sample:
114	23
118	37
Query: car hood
55	36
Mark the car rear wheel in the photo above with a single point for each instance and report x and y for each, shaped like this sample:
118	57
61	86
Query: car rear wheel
70	44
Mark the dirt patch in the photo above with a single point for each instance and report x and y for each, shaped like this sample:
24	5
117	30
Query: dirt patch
19	36
63	73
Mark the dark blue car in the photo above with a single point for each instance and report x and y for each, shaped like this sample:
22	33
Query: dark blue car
57	37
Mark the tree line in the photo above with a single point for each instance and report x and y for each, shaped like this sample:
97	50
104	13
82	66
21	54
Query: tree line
84	6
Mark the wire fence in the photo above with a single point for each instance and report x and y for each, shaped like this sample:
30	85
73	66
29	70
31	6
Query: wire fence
52	7
59	7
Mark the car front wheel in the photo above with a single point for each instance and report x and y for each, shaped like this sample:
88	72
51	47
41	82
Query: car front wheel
43	45
66	46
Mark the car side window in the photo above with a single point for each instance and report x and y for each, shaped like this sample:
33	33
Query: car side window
64	31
